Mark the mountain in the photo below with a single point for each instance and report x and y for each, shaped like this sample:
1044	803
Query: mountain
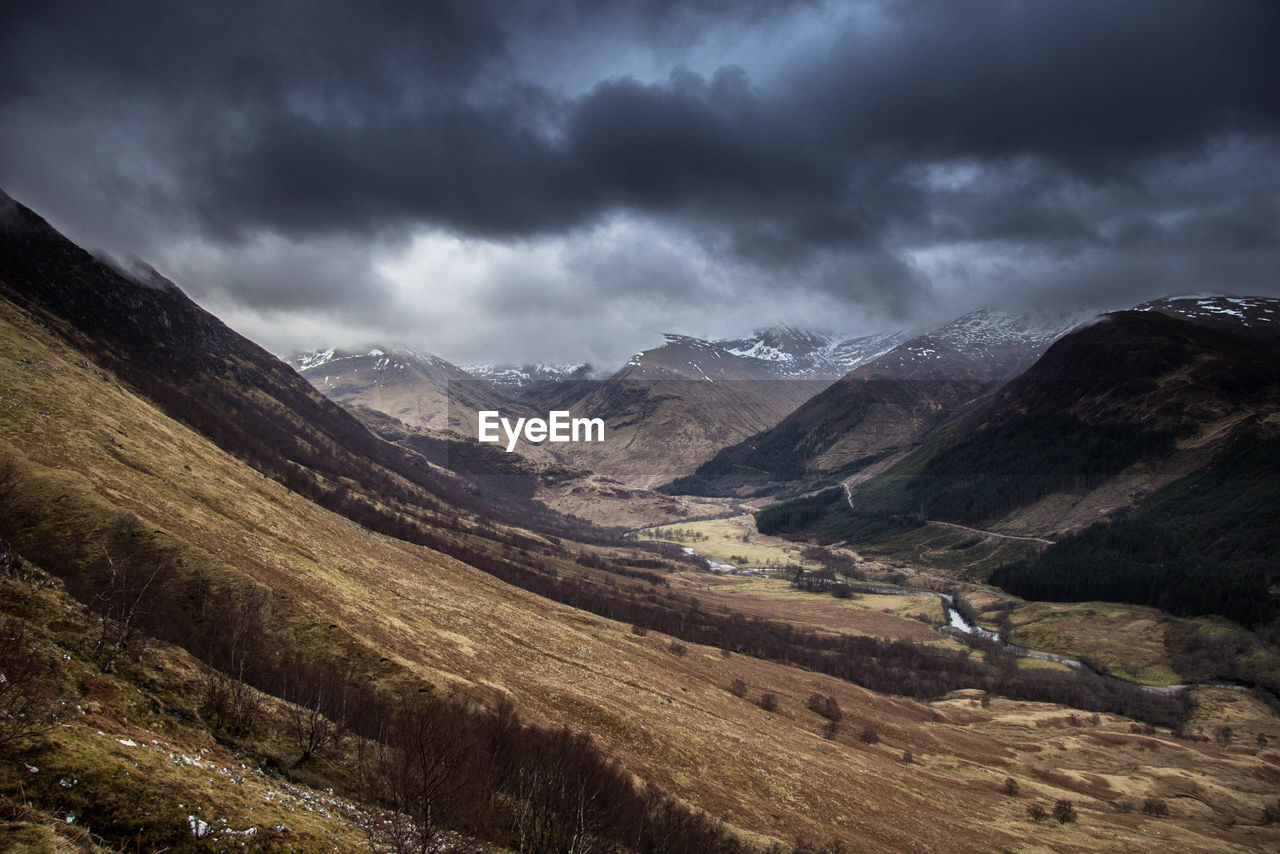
671	408
777	352
887	403
510	377
984	345
1230	313
417	388
1133	387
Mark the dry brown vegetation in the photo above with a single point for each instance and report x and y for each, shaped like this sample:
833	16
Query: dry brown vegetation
88	451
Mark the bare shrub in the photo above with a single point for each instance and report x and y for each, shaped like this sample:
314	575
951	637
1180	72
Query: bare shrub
678	649
638	630
231	705
738	688
319	714
1011	787
1035	812
828	707
769	702
1064	811
829	730
1155	807
804	846
869	736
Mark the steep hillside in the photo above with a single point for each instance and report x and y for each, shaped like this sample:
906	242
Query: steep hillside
1137	392
146	331
1201	545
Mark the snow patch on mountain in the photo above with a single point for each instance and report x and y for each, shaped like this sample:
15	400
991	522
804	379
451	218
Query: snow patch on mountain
1247	311
519	376
782	352
374	360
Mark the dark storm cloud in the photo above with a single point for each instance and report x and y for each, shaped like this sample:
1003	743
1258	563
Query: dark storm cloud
1090	84
371	121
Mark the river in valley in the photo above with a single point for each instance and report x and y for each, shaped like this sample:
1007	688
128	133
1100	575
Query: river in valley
955	621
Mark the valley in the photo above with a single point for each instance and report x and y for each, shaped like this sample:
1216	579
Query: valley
187	521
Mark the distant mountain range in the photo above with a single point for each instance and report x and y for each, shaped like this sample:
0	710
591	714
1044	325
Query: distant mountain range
664	416
673	407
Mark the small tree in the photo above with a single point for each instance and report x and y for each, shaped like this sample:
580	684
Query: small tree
26	700
1035	812
1223	735
1064	811
738	688
769	702
1262	740
678	649
869	735
126	591
907	758
431	770
1011	787
829	730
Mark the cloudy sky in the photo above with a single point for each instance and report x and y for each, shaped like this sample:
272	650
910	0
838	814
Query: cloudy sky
563	180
